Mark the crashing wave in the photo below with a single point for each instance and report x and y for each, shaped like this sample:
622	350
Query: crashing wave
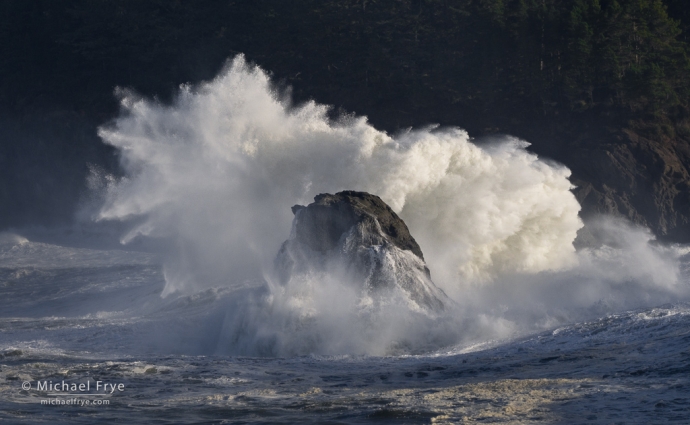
356	236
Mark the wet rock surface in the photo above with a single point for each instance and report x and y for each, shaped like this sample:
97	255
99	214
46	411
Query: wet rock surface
323	222
645	181
357	236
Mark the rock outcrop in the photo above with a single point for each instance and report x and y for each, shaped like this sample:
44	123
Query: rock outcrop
645	181
361	239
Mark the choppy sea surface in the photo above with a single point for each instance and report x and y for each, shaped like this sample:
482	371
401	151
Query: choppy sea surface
83	316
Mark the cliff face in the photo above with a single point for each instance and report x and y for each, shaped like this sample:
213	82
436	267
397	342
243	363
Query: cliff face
646	181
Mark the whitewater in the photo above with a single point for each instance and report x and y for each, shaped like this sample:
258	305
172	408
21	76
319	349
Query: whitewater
167	284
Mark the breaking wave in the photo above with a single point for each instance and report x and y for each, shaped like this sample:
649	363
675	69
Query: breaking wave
215	173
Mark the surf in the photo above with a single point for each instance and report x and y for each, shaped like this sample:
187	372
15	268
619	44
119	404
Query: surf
214	174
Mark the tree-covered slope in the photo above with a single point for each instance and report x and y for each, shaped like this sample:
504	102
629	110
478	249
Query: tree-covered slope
601	85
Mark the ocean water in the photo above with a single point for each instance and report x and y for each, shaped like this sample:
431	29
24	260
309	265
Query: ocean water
76	315
162	301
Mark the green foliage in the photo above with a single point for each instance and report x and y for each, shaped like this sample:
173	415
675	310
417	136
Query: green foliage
627	53
522	58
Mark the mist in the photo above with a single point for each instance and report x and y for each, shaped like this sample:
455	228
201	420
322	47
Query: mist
215	173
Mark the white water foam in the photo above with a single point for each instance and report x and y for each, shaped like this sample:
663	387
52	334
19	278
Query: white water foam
216	172
219	169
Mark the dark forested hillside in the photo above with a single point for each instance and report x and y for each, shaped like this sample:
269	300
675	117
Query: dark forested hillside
601	85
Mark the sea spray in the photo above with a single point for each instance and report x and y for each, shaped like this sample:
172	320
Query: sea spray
215	173
218	170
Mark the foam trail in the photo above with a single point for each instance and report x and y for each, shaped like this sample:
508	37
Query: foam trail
216	172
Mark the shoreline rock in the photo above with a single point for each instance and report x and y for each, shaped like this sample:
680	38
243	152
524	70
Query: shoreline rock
356	236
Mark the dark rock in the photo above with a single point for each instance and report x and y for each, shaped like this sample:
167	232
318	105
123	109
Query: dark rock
322	223
358	236
646	181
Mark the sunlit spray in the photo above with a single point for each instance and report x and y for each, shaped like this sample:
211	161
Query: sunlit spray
216	172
